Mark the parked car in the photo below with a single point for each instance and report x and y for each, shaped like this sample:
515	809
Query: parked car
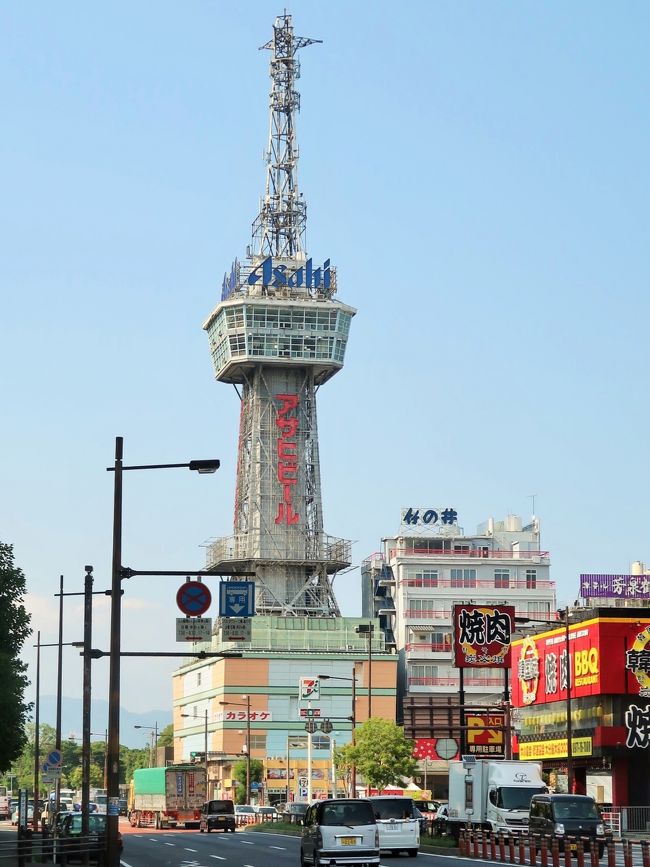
68	842
30	814
567	817
269	814
399	828
294	811
217	816
341	831
244	813
422	819
439	827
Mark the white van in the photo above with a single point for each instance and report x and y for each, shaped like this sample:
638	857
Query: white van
399	828
339	832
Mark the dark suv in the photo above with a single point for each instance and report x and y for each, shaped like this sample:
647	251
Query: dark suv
294	811
567	818
217	816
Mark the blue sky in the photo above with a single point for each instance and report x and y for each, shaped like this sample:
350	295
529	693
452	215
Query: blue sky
478	173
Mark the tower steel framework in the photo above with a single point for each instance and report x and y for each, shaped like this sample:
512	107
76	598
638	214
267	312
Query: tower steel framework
277	334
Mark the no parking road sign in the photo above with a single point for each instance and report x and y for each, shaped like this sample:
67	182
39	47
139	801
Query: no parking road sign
193	598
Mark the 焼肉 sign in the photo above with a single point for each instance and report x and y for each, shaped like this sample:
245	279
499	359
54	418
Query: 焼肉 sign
482	635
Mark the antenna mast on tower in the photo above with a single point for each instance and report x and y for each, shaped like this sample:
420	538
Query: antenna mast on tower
279	228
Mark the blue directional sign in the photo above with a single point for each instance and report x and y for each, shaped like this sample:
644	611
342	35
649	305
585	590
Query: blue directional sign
237	599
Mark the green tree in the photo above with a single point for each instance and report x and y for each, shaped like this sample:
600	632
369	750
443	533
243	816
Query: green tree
381	753
130	759
166	736
239	773
14	630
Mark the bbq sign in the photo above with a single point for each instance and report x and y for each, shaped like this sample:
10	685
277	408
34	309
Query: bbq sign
482	635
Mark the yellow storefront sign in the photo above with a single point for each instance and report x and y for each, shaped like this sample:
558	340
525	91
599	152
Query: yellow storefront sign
554	749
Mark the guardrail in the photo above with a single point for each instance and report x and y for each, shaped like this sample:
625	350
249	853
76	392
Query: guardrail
523	849
256	818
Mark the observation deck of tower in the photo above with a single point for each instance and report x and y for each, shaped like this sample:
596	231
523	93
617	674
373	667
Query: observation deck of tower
277	335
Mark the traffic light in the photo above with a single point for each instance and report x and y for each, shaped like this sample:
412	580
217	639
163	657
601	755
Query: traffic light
326	726
197	757
310	726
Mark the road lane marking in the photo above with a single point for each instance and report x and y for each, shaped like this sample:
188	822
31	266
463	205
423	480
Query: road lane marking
191	850
218	857
248	843
283	849
170	844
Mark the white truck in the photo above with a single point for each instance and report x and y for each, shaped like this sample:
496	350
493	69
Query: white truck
492	795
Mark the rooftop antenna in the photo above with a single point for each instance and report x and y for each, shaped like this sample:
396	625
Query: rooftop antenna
279	229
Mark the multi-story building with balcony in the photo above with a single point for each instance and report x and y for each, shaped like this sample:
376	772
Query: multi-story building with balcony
411	587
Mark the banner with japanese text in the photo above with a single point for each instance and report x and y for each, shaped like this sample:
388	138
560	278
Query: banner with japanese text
606	655
482	635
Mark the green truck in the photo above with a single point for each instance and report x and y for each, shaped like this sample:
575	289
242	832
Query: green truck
167	797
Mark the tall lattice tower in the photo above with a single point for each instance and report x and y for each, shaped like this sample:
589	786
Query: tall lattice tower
277	335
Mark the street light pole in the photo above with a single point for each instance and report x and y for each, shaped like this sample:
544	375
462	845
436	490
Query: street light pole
207	787
248	741
248	748
569	722
113	747
153	746
113	737
86	703
353	718
59	684
35	816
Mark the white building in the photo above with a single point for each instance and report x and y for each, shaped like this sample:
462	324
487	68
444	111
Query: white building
412	585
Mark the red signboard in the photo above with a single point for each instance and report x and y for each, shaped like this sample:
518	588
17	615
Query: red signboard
287	449
608	656
482	635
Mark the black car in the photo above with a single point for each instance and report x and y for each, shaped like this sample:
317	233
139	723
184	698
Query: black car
68	842
441	822
567	818
294	811
217	816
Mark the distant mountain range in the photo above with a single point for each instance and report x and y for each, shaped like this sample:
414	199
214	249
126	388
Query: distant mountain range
71	716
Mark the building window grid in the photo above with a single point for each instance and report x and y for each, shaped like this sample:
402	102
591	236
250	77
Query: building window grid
501	578
463	577
531	579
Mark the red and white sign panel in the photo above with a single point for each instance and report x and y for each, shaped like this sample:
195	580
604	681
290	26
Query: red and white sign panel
482	635
607	655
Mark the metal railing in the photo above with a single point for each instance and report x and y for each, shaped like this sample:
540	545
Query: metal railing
472	554
242	546
489	583
494	682
445	614
634	819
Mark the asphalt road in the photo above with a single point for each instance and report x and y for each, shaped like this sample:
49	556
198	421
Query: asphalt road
243	849
144	848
